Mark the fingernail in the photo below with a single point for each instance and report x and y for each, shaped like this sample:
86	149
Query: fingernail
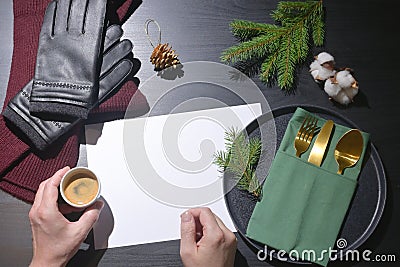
186	217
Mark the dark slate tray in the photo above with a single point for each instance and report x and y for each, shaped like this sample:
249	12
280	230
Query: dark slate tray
366	207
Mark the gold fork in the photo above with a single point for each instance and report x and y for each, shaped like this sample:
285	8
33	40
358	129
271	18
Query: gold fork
305	135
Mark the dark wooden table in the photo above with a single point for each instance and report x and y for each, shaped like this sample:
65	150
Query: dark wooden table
360	34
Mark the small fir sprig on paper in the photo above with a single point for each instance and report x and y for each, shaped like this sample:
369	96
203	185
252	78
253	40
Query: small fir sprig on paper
278	48
240	159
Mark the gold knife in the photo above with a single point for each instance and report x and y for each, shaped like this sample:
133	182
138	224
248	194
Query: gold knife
318	150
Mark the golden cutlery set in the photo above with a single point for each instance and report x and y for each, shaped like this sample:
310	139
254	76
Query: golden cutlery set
348	149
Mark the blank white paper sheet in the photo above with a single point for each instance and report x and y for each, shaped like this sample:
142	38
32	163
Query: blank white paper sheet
171	153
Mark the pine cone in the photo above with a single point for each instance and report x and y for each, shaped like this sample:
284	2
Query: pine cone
163	57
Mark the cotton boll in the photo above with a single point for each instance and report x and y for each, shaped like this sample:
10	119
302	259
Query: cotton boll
319	72
331	88
342	98
336	92
351	92
341	95
315	68
345	79
340	86
325	73
348	84
324	57
315	73
315	65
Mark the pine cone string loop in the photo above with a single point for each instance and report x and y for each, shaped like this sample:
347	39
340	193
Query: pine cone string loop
163	56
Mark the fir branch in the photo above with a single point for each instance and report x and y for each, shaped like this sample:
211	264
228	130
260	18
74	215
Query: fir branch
255	146
230	137
239	155
286	63
255	187
257	47
268	68
240	159
221	158
295	12
245	30
318	30
303	46
289	6
279	47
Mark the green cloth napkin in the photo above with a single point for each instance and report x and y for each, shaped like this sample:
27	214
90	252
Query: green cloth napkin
303	206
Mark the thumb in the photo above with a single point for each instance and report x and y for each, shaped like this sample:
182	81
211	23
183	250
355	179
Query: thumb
90	216
188	233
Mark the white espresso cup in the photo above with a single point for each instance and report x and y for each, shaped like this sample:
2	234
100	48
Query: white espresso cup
80	187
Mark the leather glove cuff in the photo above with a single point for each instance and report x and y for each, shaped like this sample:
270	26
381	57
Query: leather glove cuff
39	132
63	99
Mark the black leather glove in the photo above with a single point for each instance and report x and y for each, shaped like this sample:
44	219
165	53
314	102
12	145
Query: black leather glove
114	70
68	59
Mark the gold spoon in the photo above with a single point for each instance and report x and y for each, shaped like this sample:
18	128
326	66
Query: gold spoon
348	149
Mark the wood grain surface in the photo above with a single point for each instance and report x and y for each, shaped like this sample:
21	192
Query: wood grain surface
360	34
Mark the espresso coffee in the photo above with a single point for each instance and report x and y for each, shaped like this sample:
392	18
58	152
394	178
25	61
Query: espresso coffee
81	190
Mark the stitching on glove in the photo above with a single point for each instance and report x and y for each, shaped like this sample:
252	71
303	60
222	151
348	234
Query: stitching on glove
62	85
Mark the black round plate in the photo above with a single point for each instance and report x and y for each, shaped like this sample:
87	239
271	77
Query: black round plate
368	202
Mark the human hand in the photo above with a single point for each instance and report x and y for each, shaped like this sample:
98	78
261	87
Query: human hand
205	240
55	238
